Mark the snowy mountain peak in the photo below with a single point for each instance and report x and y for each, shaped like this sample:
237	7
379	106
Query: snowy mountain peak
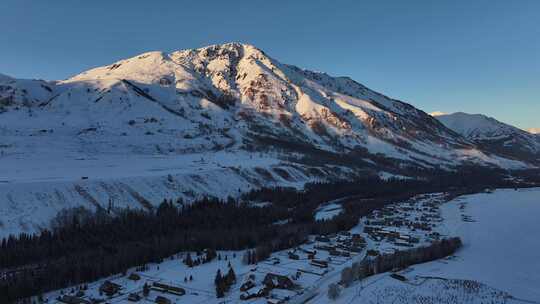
235	96
472	125
437	113
494	135
534	130
5	78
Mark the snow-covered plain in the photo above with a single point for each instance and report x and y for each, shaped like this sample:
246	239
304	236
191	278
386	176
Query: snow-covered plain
501	244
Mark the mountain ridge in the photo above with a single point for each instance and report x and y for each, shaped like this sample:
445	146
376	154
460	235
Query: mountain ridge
217	85
493	135
215	120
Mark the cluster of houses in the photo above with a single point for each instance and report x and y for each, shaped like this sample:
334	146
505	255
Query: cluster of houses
271	281
343	244
111	289
398	238
107	288
397	223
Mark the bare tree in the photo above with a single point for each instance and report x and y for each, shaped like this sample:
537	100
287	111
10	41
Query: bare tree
333	291
347	276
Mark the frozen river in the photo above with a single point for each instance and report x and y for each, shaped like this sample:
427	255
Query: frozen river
500	231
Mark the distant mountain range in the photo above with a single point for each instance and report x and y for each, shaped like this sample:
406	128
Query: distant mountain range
216	120
494	136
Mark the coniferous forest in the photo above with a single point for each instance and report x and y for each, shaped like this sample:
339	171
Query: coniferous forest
83	245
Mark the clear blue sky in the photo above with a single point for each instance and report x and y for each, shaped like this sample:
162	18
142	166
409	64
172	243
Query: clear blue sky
473	56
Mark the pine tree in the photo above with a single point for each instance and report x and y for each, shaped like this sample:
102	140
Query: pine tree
218	277
245	258
146	289
188	260
218	281
333	291
231	277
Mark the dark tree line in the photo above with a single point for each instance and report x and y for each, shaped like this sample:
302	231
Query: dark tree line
83	246
397	260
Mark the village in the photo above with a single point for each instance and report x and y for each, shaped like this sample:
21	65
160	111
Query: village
285	277
405	225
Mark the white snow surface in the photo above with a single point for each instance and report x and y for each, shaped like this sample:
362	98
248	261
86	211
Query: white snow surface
500	243
328	211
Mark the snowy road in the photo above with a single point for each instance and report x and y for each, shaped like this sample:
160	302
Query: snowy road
319	290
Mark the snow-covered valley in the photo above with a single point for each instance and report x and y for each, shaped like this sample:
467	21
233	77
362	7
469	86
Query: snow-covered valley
498	262
500	245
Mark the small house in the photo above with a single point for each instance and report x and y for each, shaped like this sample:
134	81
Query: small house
321	238
319	263
247	285
334	252
133	297
307	251
179	291
258	292
272	280
72	300
293	256
162	300
109	288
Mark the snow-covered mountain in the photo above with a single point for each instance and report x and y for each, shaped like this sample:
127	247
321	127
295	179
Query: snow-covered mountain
213	120
535	131
225	96
493	135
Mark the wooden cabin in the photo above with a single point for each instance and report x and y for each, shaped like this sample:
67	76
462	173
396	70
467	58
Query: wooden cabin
272	280
109	288
179	291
